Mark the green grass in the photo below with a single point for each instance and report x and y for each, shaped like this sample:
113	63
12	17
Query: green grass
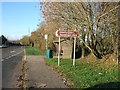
32	51
85	75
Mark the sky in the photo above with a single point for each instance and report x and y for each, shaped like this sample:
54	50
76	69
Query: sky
19	19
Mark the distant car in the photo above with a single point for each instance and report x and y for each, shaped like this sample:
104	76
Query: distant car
3	46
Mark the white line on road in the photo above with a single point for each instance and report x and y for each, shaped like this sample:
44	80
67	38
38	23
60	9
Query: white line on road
15	50
12	51
12	55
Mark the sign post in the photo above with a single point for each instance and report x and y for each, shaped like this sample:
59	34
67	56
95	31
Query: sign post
74	51
74	48
46	37
63	33
59	52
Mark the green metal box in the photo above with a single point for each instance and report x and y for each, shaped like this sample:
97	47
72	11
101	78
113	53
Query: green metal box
49	53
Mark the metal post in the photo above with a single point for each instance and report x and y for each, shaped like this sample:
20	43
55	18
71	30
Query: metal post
74	51
59	52
46	38
46	45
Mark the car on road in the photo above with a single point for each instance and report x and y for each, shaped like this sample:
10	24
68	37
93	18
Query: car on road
3	46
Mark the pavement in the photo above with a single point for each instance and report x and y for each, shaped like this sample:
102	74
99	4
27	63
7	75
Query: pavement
42	76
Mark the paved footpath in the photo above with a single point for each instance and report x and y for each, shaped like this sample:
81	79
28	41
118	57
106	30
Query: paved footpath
41	76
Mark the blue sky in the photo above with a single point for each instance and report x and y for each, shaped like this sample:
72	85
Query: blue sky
18	18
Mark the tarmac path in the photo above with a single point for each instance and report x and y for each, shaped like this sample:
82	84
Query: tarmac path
41	76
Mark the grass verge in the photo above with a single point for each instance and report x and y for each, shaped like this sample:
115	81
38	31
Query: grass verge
86	74
33	51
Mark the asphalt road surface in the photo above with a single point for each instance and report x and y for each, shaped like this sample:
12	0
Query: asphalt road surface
11	59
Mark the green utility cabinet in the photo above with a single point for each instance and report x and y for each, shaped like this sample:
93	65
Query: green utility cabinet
49	53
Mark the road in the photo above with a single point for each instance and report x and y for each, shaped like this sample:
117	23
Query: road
11	59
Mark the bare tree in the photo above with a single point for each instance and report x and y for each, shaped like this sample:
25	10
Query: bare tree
96	23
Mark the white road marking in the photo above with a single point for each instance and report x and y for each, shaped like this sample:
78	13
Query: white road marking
12	51
12	55
15	49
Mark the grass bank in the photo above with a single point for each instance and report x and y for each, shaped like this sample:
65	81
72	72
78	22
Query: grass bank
33	51
86	74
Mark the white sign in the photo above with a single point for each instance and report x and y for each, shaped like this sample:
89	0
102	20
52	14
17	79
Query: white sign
56	33
46	36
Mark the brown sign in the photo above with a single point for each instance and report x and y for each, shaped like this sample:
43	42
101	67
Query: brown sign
68	33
